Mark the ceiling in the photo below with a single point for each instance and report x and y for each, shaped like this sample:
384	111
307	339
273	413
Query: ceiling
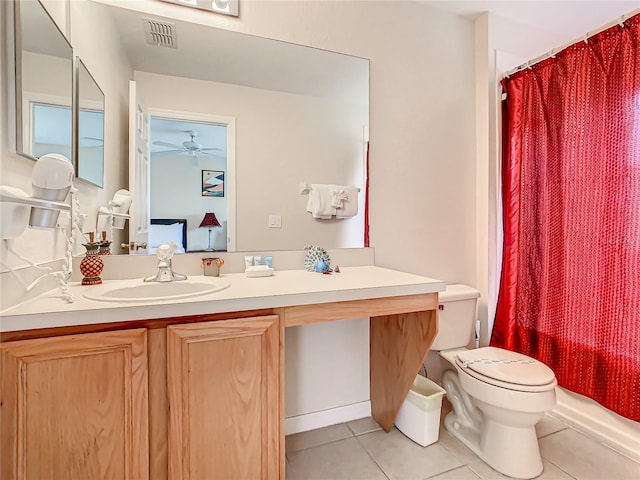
569	18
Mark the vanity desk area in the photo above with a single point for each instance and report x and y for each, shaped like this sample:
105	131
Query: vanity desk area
193	387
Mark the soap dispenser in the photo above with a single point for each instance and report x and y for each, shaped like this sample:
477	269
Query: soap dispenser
104	245
91	265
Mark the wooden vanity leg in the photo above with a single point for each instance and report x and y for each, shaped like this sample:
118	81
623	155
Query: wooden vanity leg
158	404
399	345
281	448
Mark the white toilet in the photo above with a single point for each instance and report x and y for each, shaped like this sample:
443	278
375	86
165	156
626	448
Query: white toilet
497	395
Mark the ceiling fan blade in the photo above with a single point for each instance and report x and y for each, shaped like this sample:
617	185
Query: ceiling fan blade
165	144
211	155
166	152
204	149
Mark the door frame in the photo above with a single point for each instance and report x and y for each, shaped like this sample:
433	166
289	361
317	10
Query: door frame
230	174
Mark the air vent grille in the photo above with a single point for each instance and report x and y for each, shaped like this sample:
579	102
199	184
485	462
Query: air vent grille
161	34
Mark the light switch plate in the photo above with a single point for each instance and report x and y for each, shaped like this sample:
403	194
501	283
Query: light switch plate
275	221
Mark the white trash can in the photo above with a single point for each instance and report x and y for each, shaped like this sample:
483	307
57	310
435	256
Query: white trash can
419	415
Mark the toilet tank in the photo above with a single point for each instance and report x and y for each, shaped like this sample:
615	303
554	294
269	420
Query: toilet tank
456	317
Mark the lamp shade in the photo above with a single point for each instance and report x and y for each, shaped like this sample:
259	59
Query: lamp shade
209	221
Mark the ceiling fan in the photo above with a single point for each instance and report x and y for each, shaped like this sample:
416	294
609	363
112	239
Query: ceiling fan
190	147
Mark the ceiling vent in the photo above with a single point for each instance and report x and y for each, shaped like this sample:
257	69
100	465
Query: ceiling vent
162	34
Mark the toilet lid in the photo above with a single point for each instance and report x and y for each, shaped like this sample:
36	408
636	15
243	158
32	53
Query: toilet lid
506	366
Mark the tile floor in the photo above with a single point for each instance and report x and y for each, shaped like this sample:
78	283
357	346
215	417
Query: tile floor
360	450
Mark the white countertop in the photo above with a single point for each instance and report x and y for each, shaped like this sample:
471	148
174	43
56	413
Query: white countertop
283	289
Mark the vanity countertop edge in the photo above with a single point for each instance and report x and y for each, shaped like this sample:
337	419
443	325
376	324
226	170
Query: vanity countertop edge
284	289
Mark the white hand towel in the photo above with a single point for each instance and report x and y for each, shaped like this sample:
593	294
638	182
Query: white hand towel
320	199
350	205
338	196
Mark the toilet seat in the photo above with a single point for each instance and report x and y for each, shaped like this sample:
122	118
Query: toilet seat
506	369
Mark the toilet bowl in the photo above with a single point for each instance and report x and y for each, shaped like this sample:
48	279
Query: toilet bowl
497	395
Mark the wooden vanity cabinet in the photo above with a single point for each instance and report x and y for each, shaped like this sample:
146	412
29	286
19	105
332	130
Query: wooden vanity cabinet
223	382
75	406
173	400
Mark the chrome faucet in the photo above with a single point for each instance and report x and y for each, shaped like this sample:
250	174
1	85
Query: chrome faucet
165	273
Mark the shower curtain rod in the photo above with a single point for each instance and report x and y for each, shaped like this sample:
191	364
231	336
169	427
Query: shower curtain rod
554	51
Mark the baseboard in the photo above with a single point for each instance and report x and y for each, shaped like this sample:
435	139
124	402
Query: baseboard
324	418
587	416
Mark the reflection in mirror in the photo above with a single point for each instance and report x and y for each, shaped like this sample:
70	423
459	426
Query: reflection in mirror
44	70
187	170
90	138
300	115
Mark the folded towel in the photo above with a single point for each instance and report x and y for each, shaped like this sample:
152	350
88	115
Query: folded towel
320	201
350	204
338	196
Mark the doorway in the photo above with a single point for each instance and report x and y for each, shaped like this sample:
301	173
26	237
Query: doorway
192	175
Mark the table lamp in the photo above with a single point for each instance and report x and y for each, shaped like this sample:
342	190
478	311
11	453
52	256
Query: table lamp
209	221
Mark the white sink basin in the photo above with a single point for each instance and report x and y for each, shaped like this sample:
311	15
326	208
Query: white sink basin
138	291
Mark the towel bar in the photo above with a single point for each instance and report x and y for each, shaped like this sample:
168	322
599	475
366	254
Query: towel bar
305	188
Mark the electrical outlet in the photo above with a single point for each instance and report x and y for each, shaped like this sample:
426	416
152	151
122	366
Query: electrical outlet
275	221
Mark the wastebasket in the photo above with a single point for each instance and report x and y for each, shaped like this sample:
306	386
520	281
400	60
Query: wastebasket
419	415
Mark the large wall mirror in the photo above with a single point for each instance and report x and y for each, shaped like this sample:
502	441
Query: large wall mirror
90	136
300	115
44	78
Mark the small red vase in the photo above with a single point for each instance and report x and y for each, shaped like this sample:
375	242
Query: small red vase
91	265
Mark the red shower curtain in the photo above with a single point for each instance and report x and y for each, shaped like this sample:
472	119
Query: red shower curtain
570	286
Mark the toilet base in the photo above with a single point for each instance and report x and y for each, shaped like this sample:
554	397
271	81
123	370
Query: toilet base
512	451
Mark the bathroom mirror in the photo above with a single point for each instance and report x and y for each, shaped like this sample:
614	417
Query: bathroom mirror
300	114
44	78
90	132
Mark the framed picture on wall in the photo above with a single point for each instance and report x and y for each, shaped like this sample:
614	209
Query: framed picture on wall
212	183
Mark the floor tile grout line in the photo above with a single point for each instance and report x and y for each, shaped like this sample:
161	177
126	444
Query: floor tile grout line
352	434
461	460
372	458
455	468
554	432
319	444
560	468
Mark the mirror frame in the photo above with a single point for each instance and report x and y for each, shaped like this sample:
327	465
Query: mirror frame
78	64
18	77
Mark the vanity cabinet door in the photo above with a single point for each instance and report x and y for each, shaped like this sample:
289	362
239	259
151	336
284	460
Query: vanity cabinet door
224	395
75	407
